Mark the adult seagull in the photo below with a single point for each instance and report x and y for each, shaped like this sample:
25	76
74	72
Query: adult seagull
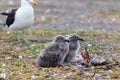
21	18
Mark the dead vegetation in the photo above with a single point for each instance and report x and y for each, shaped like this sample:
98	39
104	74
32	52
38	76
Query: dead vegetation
97	21
17	60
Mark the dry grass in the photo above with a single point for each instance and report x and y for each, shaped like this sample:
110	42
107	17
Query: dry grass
17	59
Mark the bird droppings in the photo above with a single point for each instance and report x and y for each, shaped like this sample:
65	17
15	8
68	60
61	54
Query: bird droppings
3	75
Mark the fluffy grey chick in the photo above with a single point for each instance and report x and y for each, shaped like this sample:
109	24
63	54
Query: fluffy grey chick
53	54
73	47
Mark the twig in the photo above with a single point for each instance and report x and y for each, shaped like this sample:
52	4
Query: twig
94	73
111	65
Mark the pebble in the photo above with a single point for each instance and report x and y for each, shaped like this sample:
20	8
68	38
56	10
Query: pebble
113	20
20	56
43	18
110	71
8	58
89	45
8	32
34	77
48	11
3	65
11	2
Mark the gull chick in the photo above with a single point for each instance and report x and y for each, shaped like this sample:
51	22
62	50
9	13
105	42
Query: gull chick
73	47
54	53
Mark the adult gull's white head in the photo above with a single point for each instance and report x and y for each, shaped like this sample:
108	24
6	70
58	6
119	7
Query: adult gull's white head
28	2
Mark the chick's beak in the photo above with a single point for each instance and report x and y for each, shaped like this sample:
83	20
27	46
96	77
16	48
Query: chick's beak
66	40
81	39
34	3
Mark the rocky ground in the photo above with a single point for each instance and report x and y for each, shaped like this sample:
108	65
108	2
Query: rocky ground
97	21
78	14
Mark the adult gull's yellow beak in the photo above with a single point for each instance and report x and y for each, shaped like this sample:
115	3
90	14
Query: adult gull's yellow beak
34	3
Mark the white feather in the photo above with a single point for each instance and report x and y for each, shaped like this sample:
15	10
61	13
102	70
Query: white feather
24	16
